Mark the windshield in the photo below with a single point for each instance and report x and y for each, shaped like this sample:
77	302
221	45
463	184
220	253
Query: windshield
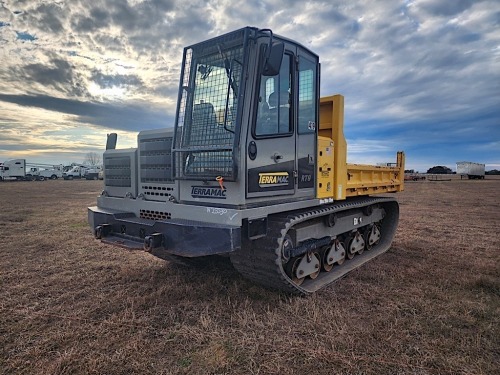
208	106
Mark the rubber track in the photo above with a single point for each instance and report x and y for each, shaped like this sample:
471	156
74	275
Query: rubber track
260	260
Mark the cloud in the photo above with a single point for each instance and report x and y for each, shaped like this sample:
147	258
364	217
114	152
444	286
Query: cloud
48	17
444	8
111	115
109	80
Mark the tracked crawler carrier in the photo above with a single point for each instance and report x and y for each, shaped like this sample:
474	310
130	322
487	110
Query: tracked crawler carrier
255	168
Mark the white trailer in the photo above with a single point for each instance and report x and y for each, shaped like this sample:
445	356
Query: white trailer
470	170
16	169
19	169
13	169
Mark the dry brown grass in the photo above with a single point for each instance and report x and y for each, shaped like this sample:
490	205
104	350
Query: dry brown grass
71	305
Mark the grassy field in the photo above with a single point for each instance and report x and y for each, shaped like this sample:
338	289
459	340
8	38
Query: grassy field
71	305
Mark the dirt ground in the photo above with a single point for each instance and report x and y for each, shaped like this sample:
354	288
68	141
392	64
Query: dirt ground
71	305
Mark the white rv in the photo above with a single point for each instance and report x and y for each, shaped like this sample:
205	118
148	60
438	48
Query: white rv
13	169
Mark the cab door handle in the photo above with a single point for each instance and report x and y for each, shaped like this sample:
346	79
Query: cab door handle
277	157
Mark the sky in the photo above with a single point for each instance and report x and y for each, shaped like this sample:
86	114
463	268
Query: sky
421	76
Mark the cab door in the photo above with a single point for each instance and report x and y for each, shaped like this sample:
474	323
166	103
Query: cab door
307	122
271	154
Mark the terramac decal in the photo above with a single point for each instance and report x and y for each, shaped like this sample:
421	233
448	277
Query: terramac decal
273	179
213	192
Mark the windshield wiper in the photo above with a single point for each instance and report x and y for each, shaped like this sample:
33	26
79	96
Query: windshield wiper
227	67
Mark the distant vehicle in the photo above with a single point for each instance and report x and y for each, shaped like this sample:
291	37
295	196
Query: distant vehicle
20	170
13	169
77	171
470	170
92	173
414	177
55	172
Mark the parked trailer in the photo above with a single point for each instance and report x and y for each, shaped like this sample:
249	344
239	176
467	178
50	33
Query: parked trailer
15	169
470	170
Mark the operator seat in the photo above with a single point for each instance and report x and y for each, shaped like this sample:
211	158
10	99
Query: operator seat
203	125
281	106
205	128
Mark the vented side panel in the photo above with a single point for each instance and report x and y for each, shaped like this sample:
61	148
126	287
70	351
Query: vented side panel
120	173
156	181
155	157
117	171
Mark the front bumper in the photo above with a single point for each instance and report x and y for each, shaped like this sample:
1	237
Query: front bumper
185	238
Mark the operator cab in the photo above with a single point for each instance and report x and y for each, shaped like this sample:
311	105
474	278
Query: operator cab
246	120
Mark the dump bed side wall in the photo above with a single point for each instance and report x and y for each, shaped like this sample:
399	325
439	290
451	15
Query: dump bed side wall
331	125
370	179
336	178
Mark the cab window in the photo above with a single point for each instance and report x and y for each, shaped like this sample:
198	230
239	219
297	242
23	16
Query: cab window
274	104
307	96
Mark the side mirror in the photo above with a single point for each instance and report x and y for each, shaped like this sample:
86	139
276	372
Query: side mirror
111	141
273	60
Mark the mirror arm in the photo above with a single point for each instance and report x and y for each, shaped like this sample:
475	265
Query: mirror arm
268	52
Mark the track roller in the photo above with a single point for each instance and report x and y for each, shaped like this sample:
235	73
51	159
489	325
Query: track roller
300	267
372	236
356	244
333	254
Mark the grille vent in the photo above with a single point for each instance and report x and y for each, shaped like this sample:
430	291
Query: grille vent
158	191
154	215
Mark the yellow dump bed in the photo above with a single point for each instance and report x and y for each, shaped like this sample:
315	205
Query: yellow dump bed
336	178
